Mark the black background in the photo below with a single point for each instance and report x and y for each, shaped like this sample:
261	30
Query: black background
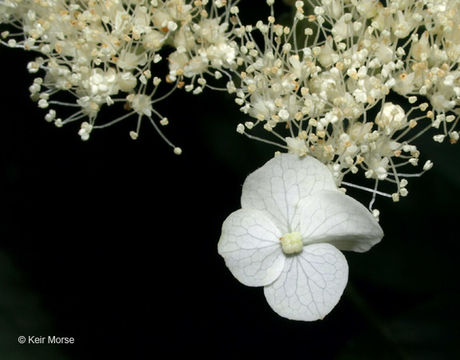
113	242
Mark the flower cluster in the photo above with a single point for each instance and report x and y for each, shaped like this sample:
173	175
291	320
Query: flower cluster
109	52
329	85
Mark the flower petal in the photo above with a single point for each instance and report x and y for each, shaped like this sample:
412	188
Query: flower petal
278	186
251	247
338	219
310	285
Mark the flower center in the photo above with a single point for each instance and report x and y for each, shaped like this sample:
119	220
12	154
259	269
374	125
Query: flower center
291	243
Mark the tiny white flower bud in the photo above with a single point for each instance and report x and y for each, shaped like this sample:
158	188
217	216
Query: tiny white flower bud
156	81
249	124
43	104
376	214
283	114
412	99
428	165
33	67
403	192
234	10
172	26
50	116
197	90
439	138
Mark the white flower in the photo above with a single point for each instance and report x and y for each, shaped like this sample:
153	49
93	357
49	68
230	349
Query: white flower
142	104
288	234
296	146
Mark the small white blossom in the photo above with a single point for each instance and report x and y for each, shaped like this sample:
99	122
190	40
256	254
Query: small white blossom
296	146
142	104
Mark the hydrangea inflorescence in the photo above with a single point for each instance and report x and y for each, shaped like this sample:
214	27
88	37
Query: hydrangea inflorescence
315	93
347	88
107	52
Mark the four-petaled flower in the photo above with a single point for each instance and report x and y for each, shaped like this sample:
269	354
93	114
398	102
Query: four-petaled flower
287	236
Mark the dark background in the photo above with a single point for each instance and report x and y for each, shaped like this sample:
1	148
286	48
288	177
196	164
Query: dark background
113	242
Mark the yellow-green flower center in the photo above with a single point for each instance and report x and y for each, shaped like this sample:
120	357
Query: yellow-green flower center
291	243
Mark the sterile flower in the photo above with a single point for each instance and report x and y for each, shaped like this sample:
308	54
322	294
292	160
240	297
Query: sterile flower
288	234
